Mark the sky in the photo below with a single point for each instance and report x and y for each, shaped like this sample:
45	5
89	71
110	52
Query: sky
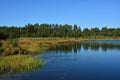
85	13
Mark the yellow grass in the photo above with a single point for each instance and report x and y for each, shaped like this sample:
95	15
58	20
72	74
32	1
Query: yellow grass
19	63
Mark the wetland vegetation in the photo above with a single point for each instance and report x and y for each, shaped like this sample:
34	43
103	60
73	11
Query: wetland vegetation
19	63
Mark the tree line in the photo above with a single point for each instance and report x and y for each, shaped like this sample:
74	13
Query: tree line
57	30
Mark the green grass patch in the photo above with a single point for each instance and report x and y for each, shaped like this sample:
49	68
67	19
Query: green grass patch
43	49
34	48
19	63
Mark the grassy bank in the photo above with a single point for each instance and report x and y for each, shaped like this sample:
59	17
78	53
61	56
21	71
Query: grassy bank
15	57
40	45
19	63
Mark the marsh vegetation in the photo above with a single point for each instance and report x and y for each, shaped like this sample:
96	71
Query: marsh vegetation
19	63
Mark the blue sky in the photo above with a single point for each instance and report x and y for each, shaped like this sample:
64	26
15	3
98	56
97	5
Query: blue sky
85	13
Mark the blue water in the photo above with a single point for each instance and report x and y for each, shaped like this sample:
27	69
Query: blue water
93	60
107	41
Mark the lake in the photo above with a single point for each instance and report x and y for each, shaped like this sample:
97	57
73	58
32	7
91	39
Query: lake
91	60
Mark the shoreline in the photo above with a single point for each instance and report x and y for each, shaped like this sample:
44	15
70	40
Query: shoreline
37	46
60	40
40	45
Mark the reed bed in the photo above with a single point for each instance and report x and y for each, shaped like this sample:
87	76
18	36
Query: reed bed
19	63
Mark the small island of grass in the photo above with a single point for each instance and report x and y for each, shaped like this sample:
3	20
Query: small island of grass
19	63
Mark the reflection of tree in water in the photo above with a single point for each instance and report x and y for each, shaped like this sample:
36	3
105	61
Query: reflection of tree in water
85	45
67	47
110	46
96	46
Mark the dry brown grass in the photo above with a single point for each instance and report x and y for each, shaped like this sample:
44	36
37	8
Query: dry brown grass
38	45
46	41
4	43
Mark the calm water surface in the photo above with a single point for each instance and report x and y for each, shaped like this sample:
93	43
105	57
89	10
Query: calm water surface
92	60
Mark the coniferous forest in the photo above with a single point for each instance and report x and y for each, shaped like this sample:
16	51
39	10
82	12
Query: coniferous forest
56	30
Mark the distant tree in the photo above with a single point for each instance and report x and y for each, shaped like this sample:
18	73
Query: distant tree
75	28
56	30
86	32
104	31
79	32
95	32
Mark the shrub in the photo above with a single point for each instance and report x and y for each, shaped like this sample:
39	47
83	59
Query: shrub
1	50
0	44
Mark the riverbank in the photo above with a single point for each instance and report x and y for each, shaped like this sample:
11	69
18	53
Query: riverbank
33	46
40	45
16	53
29	46
15	59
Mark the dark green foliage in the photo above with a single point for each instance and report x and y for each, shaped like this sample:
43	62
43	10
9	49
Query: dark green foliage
1	50
3	36
94	31
86	32
55	30
0	44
